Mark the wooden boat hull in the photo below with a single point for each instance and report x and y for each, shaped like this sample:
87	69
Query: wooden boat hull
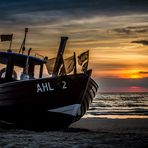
48	102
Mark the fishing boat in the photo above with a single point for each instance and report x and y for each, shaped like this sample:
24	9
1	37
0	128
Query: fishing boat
50	102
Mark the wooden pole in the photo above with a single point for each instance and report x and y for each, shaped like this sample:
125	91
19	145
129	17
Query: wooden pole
75	64
41	71
10	43
24	41
59	59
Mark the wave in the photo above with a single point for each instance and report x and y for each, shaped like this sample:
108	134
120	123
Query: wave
120	104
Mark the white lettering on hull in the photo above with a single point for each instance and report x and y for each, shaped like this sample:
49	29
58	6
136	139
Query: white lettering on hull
64	85
46	87
39	89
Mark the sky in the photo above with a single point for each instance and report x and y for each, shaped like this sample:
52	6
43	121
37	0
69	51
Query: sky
114	31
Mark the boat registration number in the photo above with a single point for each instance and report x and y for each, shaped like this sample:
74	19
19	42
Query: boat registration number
46	86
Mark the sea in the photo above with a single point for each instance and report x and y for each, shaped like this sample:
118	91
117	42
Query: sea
119	105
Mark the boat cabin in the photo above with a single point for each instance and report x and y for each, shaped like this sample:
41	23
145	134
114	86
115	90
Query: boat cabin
10	60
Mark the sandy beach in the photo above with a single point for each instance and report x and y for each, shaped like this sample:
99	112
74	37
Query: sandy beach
88	132
113	124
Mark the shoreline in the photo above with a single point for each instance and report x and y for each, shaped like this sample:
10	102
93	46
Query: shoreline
116	116
100	124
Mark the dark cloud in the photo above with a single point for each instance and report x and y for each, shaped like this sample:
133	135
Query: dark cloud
37	12
143	42
143	72
76	7
122	31
83	4
138	29
131	30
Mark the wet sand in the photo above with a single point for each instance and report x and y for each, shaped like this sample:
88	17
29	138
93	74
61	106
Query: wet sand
88	132
113	124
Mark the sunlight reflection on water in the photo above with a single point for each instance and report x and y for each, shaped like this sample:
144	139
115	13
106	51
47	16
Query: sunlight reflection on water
119	105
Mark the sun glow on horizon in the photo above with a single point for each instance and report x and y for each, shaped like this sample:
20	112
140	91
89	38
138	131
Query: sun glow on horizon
131	74
136	89
135	76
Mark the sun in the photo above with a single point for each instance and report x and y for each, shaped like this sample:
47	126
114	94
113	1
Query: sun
132	74
135	76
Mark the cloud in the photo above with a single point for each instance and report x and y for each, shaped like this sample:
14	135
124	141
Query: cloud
76	8
130	30
52	13
109	66
138	29
122	31
70	4
143	42
143	72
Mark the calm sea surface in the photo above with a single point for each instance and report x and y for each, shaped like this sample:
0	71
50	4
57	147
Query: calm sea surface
120	104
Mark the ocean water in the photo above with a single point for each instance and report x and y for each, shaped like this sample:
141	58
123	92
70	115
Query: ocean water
119	104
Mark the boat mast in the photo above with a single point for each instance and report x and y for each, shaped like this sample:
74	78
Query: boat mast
75	64
59	59
27	62
24	41
10	42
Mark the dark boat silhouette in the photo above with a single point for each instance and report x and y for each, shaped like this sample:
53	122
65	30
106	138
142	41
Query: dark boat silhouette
51	102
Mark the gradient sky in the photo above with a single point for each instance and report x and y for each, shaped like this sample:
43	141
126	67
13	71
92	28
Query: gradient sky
115	32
